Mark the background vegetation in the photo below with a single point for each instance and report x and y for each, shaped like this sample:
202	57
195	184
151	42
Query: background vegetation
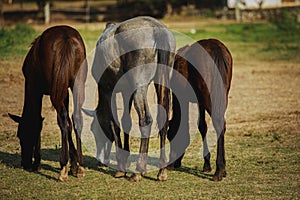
279	39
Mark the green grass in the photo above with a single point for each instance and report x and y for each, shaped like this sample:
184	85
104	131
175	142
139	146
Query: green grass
15	41
264	41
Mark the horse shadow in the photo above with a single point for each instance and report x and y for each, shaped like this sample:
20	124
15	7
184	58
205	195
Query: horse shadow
195	172
111	169
13	160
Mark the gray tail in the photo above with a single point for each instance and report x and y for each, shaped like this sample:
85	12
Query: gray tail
165	63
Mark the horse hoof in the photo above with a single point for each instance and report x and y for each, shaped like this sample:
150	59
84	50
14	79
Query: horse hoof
80	172
218	176
120	174
135	177
63	175
77	171
162	175
206	168
63	178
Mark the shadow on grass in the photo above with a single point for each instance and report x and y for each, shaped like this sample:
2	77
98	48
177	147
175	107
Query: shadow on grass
14	161
195	172
112	168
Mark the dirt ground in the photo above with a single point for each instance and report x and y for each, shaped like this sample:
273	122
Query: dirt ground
264	97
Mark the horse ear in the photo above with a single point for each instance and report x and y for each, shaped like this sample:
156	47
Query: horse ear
109	24
90	113
16	118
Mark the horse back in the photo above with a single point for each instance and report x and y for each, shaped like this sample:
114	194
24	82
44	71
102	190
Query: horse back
54	60
221	57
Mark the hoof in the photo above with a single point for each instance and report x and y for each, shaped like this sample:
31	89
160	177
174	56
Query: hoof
120	174
162	175
206	168
218	176
63	175
80	172
137	177
77	171
36	167
174	165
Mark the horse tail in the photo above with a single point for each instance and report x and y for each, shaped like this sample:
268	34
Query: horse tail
165	61
63	62
221	80
223	61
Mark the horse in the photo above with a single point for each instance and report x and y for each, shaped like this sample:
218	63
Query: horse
55	62
128	57
207	67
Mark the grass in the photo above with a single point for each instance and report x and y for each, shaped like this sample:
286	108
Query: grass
265	41
15	41
262	138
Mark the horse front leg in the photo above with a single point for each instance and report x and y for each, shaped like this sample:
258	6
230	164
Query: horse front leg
37	154
32	120
39	124
178	133
126	125
114	129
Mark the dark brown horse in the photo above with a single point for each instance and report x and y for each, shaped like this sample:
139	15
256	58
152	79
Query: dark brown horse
55	62
207	67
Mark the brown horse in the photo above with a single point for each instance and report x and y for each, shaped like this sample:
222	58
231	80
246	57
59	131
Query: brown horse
55	62
207	67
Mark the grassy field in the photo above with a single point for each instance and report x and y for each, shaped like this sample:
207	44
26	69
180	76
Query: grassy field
263	121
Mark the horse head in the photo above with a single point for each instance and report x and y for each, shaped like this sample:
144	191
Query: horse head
27	141
103	141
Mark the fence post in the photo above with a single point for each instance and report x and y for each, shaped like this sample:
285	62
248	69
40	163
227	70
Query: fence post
1	13
87	11
47	13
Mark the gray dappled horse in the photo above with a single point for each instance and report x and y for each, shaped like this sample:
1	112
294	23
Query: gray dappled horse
129	56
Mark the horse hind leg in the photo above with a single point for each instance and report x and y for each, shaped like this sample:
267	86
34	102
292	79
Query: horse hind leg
202	127
145	122
62	119
72	150
220	127
162	120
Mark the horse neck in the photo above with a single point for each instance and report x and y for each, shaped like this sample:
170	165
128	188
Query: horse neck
32	103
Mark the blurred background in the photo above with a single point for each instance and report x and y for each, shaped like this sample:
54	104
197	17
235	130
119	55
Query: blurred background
51	11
